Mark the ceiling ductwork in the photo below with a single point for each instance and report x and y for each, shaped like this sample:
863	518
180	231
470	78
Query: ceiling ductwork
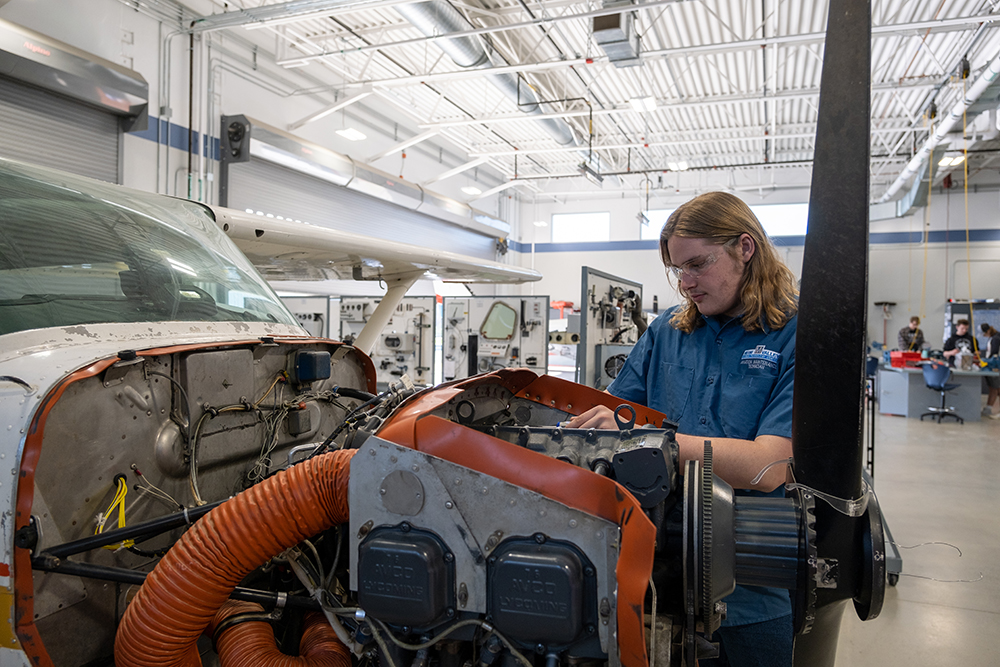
616	35
438	17
960	110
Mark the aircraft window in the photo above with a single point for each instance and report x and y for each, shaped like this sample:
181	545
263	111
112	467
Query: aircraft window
499	322
73	251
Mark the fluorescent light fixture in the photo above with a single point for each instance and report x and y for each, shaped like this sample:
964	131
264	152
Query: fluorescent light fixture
472	190
951	161
540	223
591	174
677	166
643	104
351	134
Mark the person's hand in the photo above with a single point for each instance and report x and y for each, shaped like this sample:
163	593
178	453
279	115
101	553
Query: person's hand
598	416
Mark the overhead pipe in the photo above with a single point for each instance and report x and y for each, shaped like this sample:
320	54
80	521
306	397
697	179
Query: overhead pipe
194	579
944	127
438	17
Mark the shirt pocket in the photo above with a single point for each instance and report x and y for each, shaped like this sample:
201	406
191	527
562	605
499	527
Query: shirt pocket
744	398
675	390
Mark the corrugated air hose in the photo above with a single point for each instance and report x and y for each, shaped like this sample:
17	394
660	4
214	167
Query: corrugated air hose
252	644
189	585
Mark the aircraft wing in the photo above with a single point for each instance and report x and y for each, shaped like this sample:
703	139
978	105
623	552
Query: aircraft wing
286	250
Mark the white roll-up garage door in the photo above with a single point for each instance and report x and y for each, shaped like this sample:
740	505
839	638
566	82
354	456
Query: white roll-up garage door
52	130
259	185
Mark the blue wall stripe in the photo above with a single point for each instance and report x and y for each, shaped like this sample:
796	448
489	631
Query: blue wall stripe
178	135
879	238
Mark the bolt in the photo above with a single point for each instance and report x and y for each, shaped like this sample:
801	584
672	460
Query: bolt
449	557
605	607
449	505
540	538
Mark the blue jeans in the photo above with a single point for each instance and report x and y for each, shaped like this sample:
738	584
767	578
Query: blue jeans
767	644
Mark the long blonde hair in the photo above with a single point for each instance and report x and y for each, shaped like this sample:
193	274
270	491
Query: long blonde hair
767	288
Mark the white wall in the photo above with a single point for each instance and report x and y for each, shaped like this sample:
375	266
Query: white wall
896	269
113	31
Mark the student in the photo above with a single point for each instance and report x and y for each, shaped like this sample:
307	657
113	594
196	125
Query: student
721	365
960	342
992	408
910	337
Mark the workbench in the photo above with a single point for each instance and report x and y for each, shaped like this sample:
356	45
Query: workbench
902	391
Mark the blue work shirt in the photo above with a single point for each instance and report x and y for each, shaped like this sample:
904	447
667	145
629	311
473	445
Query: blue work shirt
719	381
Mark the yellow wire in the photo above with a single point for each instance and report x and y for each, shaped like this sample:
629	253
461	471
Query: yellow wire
117	503
276	380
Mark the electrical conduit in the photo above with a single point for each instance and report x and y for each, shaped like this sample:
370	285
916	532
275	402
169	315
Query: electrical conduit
188	586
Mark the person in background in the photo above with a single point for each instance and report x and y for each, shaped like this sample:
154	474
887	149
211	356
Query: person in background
721	365
960	342
910	337
992	408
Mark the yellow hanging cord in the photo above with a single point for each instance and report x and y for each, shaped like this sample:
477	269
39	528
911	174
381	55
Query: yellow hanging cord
968	252
927	225
119	504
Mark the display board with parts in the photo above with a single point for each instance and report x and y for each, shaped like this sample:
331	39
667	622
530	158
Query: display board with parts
483	334
611	321
319	315
406	344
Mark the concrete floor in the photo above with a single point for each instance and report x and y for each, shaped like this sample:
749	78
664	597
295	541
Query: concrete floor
935	483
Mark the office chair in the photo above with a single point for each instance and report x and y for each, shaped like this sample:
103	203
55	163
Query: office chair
936	378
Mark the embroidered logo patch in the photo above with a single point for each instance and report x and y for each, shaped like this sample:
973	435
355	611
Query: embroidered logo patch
760	357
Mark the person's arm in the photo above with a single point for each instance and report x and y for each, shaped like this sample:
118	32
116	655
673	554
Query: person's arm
949	347
740	461
901	339
736	461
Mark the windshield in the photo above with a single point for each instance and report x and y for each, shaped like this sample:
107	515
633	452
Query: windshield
77	251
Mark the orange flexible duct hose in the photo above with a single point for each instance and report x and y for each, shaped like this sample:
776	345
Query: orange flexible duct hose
182	594
252	644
